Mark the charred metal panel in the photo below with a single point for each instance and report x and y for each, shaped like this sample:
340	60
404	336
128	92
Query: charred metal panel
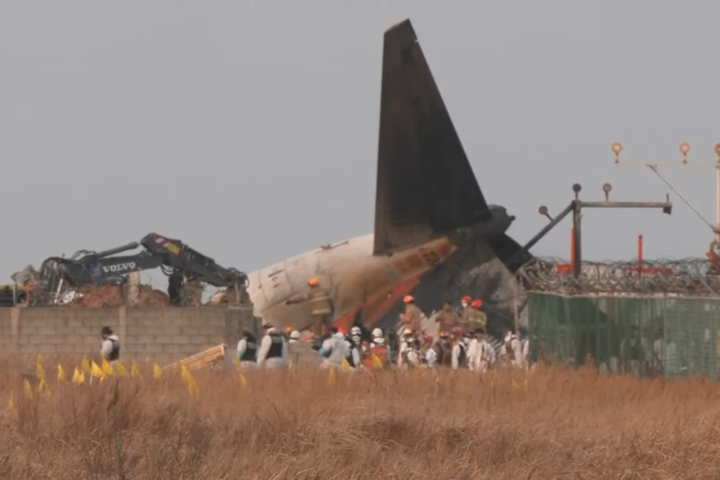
473	269
510	252
425	184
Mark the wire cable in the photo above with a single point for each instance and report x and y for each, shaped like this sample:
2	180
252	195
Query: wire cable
654	169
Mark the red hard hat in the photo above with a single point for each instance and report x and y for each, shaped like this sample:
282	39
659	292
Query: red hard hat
457	331
408	299
466	298
476	303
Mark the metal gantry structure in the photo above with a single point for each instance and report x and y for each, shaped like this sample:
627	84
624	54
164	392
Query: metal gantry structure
685	148
576	207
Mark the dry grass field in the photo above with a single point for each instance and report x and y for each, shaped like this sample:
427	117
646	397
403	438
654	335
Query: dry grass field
549	423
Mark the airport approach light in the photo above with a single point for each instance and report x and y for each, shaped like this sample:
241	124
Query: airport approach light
607	188
684	149
543	210
617	148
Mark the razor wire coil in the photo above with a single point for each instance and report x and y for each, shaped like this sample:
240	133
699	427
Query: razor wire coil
688	277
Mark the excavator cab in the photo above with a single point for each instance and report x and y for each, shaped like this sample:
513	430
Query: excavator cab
12	295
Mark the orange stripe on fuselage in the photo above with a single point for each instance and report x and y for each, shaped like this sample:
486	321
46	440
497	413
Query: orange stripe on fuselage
378	306
410	264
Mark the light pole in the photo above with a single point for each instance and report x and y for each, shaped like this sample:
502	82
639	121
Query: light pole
684	150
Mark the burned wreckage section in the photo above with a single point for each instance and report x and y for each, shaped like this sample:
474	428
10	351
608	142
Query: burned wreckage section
59	276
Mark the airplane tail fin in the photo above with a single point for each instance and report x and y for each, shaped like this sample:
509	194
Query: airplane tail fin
425	184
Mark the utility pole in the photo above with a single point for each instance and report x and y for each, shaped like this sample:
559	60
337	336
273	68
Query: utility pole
684	150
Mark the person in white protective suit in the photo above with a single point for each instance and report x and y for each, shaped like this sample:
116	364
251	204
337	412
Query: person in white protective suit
334	349
356	336
378	340
513	349
273	351
405	344
413	354
247	351
458	353
474	353
354	352
486	352
427	352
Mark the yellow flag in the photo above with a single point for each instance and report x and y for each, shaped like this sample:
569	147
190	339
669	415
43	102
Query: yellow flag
185	373
291	365
332	376
135	371
192	386
85	365
157	372
376	362
78	377
44	390
243	381
107	368
437	379
40	371
61	374
11	401
27	389
237	362
345	364
121	370
96	371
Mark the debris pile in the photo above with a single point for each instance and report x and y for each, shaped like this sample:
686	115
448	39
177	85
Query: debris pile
113	296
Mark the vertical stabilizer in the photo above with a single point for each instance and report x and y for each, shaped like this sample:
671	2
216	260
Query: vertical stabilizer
425	185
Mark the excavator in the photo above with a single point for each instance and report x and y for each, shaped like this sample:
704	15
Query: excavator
58	275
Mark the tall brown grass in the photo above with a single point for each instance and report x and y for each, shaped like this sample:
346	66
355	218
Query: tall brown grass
550	423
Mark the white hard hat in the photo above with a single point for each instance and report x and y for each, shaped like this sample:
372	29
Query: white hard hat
407	332
295	335
355	330
377	333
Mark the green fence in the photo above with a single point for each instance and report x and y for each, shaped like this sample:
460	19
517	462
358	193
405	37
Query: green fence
675	337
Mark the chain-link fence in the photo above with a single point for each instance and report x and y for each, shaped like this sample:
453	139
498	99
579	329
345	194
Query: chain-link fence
646	336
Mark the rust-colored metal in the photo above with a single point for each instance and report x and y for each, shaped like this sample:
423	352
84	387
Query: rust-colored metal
572	249
640	255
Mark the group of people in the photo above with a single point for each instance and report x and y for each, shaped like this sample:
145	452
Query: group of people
462	341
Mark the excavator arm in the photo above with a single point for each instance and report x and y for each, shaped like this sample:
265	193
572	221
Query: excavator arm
107	268
191	263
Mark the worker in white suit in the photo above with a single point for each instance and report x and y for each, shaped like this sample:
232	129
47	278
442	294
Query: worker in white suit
273	349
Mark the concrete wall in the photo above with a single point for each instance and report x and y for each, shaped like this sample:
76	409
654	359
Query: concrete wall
163	335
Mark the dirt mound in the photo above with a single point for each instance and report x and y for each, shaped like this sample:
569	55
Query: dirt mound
112	296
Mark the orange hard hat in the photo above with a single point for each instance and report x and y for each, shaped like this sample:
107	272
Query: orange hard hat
467	298
408	299
477	303
288	330
443	334
313	282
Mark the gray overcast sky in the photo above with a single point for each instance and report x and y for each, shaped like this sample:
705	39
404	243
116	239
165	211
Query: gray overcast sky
249	129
